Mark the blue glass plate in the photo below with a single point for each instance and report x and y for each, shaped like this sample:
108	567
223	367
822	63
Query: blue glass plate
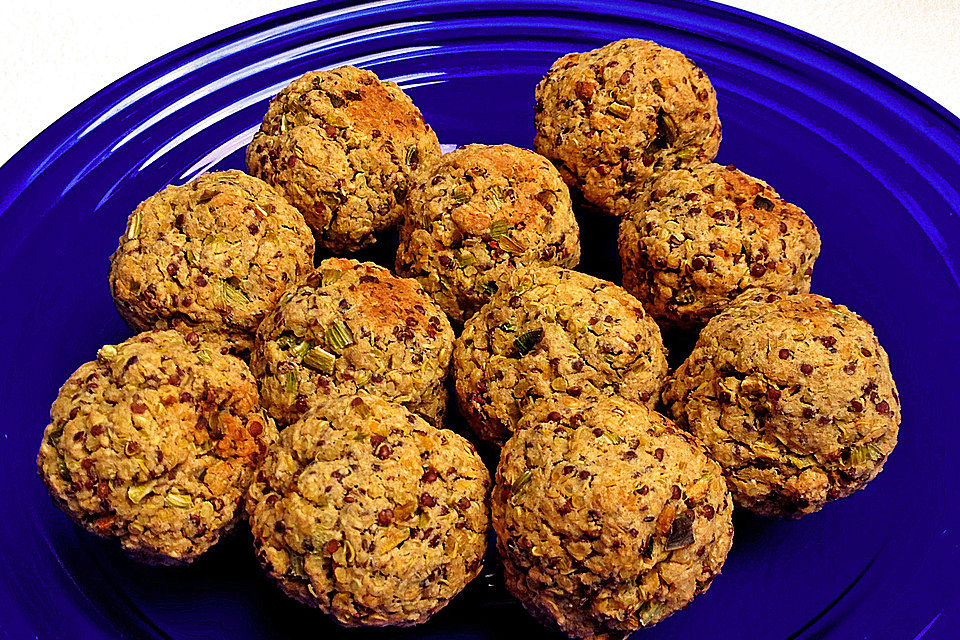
873	162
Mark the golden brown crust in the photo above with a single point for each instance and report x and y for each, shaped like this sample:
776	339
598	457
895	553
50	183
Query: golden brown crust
212	257
612	117
554	331
481	213
704	235
154	444
343	146
353	326
608	517
794	397
370	514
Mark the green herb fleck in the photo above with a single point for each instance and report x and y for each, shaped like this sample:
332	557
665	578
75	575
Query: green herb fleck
522	480
509	244
204	356
411	155
231	296
488	288
329	276
297	565
300	349
666	128
466	259
864	453
651	613
461	194
191	257
525	342
290	382
498	229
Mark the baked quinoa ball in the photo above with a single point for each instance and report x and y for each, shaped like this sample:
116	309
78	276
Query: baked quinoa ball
154	444
211	257
479	214
794	398
370	514
612	117
551	331
342	146
353	326
608	517
705	235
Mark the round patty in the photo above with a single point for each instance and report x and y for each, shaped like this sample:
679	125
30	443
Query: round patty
553	331
154	444
353	326
343	147
612	117
794	398
705	235
210	257
479	214
370	514
608	517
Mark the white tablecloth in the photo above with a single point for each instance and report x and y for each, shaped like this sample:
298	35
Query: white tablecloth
55	53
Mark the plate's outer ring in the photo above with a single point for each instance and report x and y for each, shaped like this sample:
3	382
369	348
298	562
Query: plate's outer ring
191	110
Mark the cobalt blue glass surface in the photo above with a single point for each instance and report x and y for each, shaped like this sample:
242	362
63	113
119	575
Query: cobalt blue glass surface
873	162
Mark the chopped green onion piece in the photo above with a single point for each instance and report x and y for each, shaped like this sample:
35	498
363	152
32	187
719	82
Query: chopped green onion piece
300	349
498	229
339	335
134	231
320	360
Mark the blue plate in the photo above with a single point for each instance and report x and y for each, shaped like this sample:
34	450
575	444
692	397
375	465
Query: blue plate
872	161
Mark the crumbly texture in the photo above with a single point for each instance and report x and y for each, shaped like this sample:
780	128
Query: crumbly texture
551	331
370	514
353	326
794	398
608	517
343	147
705	235
154	444
480	214
612	117
211	257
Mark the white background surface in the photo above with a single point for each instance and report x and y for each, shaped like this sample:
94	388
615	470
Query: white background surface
56	53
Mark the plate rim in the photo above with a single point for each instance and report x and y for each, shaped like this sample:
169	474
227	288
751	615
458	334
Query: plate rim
14	171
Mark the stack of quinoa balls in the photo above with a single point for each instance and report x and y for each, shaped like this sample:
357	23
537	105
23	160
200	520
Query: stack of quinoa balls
279	382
